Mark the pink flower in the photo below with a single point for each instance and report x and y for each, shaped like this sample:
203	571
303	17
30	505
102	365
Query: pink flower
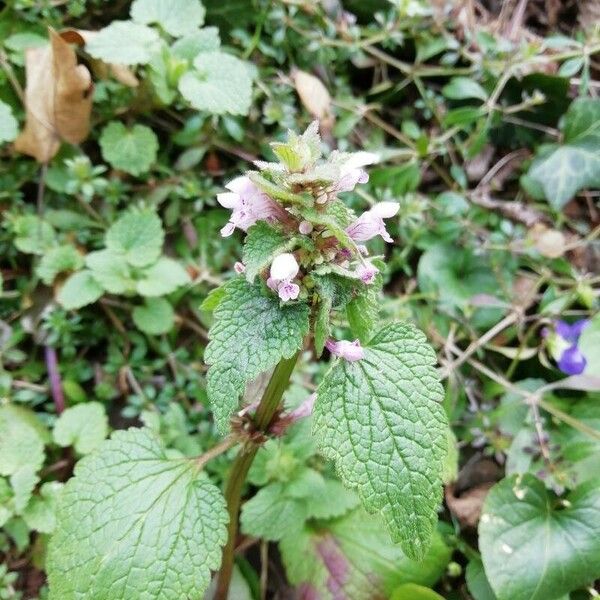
239	267
248	205
283	269
350	351
367	273
370	223
352	173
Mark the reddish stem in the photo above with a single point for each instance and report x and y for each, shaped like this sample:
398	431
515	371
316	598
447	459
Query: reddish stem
54	377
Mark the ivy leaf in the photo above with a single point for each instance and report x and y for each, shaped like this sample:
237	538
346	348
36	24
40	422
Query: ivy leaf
381	420
138	235
130	150
263	244
220	84
154	317
353	558
563	170
251	334
58	260
9	126
536	546
84	427
163	277
133	523
79	290
177	17
124	43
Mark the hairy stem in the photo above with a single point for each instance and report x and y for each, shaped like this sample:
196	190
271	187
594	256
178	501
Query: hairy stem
239	470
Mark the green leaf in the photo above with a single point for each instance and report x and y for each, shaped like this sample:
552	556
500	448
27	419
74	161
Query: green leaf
461	88
9	126
251	334
536	546
263	243
273	513
363	310
124	43
131	150
220	84
163	277
154	317
21	443
412	591
111	271
203	40
57	260
40	513
564	170
23	483
331	499
133	523
477	582
381	420
32	235
353	558
79	290
589	345
177	17
138	235
84	427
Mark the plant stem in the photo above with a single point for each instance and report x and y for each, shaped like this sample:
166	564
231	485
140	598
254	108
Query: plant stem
239	470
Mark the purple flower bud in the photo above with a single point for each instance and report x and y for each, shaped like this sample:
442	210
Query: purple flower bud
352	173
370	223
239	267
350	351
305	227
572	361
367	273
248	205
283	269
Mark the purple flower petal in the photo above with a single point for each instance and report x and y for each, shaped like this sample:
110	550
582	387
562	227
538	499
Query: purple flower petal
572	361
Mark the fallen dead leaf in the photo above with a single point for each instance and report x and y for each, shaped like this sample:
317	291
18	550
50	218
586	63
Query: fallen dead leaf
467	507
548	242
313	94
58	99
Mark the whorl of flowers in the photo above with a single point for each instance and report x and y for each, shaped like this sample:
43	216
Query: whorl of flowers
322	239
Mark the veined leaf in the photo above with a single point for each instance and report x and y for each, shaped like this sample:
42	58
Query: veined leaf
177	17
250	335
536	546
133	523
381	420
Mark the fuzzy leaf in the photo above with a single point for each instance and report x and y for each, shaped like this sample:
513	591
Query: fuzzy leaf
263	244
111	271
177	17
154	317
163	277
202	40
220	84
84	427
79	290
32	235
58	260
124	43
130	150
21	444
251	334
138	236
535	547
574	165
381	420
133	523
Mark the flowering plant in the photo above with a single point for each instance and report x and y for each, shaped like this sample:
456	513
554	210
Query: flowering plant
377	412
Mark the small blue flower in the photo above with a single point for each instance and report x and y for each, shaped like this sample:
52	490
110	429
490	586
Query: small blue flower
563	346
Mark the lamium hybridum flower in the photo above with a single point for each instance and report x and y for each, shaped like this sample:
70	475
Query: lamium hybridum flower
367	272
371	224
248	205
350	351
563	344
283	269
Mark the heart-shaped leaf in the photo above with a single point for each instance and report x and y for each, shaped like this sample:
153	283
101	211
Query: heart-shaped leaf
536	546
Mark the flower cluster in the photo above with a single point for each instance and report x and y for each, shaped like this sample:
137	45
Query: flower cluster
323	241
563	344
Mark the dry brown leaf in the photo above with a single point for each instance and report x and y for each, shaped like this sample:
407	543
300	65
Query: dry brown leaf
467	507
313	94
58	98
548	242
